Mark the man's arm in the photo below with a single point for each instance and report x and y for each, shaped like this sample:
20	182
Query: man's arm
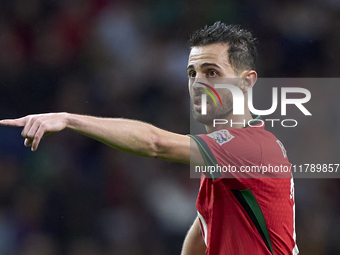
126	135
193	242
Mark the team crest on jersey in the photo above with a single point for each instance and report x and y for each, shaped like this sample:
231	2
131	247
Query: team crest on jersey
221	136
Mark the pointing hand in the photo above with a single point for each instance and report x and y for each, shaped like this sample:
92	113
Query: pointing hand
36	126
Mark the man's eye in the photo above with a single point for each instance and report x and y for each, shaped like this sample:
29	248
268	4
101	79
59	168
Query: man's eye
212	73
192	74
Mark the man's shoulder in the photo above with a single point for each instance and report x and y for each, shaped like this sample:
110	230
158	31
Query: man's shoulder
239	140
245	134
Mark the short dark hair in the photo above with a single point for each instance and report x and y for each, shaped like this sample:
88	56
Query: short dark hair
242	53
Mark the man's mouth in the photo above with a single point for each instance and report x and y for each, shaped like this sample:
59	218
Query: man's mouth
198	103
197	100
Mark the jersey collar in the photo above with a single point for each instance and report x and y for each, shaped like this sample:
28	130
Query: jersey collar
257	119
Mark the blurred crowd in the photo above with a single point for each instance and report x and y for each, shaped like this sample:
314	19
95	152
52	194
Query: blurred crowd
75	196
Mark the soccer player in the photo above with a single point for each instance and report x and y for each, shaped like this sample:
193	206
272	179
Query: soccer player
238	212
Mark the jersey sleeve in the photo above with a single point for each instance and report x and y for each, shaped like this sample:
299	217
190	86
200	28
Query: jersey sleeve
227	151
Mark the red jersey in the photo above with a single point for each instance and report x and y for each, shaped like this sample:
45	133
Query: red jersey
247	207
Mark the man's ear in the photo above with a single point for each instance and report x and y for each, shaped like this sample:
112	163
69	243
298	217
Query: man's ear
248	80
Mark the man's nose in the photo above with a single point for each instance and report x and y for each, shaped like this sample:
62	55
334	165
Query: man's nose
199	81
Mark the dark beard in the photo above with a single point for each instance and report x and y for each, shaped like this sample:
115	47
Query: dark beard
219	113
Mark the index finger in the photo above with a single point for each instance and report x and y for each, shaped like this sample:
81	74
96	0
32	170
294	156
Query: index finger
14	122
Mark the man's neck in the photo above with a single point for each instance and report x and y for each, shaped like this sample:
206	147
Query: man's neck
231	121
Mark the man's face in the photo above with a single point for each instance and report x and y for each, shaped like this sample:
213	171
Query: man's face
205	64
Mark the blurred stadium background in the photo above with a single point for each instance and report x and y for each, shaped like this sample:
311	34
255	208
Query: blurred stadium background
76	196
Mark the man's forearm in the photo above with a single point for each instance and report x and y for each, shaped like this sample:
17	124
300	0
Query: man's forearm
130	136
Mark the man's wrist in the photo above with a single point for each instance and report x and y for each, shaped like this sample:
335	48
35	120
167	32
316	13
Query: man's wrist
68	120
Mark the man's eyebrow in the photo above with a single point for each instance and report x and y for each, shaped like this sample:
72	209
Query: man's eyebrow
190	67
203	65
209	64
